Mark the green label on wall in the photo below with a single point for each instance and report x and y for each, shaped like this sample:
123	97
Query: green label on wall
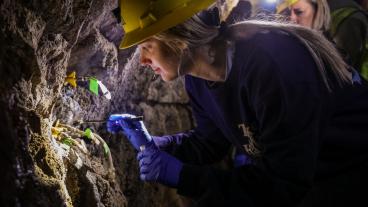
93	86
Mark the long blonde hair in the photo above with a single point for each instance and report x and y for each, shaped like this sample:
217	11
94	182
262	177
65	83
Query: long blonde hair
322	17
194	33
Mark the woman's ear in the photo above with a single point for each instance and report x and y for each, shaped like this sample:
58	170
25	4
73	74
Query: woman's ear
186	62
211	54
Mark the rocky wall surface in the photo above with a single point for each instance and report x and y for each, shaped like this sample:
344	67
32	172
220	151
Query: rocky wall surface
43	41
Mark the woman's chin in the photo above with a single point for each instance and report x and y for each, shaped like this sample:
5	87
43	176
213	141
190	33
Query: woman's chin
168	78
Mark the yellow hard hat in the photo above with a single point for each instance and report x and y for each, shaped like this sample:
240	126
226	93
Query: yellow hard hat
143	18
284	5
291	2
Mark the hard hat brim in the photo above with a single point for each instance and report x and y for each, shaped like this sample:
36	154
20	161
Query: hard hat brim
285	5
139	35
281	7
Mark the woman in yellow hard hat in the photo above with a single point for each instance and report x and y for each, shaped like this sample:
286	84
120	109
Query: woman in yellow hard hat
314	14
280	93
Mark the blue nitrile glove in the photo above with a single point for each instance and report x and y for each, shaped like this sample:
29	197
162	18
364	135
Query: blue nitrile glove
169	142
165	143
133	129
159	166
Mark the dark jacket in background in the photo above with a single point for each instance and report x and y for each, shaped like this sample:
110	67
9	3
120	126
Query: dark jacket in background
351	33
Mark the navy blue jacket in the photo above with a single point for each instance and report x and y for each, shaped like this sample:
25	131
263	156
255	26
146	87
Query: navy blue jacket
275	107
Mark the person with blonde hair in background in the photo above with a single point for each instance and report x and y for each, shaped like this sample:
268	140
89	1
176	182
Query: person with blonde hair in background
341	21
314	14
280	93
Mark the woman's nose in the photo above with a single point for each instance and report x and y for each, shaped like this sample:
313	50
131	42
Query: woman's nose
293	17
144	60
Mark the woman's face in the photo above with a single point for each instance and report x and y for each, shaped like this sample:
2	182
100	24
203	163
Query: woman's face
302	13
155	54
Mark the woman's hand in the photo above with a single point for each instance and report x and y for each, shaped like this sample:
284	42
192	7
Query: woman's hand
134	129
158	166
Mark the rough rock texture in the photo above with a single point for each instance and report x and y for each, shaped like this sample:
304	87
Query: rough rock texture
41	42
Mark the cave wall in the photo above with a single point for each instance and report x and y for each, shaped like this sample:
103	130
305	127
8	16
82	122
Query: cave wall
43	41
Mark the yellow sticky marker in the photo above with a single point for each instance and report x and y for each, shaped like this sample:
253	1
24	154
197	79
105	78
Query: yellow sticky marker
71	79
56	131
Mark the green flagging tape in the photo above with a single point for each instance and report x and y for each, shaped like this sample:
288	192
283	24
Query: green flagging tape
67	141
106	148
93	86
88	133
